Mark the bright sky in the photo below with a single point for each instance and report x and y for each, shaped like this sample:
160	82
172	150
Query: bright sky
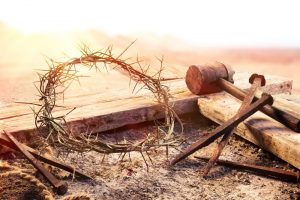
209	22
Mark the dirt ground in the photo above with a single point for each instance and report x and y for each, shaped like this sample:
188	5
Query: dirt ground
129	178
116	179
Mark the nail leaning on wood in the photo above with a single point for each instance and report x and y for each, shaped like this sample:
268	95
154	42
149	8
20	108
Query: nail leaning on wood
209	79
281	116
256	82
220	130
266	171
60	187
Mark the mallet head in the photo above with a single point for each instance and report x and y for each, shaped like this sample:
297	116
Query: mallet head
203	79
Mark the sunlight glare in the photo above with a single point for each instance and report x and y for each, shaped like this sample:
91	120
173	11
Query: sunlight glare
213	22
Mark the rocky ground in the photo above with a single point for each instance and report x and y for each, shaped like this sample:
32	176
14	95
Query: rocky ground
130	178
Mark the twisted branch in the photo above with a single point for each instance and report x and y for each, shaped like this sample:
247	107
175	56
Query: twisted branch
56	80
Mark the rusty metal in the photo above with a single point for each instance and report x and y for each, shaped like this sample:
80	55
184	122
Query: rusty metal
265	171
256	82
281	116
60	187
70	169
227	126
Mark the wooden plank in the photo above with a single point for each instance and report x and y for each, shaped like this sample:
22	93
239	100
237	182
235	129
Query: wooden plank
98	112
259	128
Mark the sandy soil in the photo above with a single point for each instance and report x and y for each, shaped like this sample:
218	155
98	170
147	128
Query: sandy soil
129	178
115	179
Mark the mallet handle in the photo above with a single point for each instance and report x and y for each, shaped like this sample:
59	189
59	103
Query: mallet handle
283	117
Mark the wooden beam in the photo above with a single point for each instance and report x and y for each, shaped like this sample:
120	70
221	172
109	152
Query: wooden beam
113	109
259	128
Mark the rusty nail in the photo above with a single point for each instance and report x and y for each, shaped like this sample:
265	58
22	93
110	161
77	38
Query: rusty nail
266	171
60	187
70	169
220	130
256	82
281	116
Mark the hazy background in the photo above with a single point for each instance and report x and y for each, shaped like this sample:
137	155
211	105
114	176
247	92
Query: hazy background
252	36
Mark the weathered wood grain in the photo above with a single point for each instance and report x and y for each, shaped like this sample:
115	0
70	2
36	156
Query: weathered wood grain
259	128
96	112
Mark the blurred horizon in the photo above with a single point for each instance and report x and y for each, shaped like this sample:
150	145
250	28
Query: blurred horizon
223	24
252	36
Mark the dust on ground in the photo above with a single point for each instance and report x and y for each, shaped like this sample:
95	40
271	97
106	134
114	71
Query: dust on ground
129	178
13	188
